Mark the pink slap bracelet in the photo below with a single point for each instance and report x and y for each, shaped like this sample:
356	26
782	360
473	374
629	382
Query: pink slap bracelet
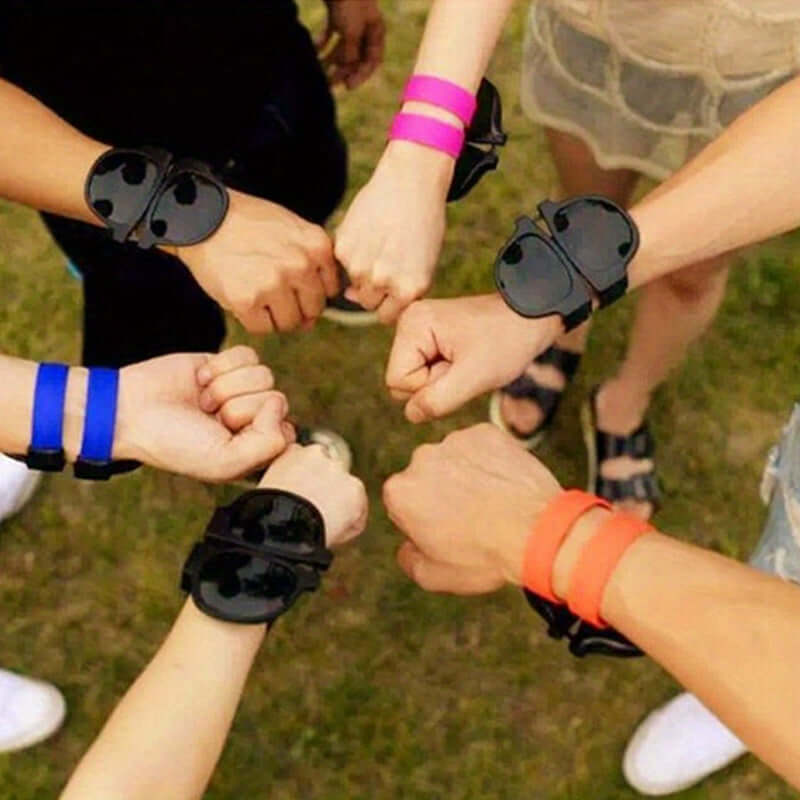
443	94
429	132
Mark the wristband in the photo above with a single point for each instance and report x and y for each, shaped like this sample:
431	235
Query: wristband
547	536
442	94
94	461
46	451
597	562
428	132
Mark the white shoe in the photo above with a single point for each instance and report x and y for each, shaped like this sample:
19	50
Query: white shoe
678	745
30	711
17	485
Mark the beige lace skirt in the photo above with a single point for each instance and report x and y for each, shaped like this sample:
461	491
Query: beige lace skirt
648	83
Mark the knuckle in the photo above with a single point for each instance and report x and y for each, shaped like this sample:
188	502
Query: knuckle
245	354
392	490
264	376
424	454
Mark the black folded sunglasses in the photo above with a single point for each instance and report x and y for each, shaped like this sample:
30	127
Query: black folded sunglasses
143	195
483	137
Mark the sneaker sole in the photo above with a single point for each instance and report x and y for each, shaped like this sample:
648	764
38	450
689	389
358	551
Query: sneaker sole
350	319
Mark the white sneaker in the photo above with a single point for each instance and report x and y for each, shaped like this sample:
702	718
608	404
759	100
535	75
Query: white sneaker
17	485
30	711
678	745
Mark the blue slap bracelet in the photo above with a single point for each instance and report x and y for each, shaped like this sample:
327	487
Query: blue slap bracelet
94	461
46	451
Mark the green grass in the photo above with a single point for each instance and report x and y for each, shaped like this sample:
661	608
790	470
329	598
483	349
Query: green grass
373	689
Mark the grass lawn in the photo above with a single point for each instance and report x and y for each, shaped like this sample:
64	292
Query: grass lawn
372	689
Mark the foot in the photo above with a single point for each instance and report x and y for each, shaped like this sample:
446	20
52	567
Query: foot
678	745
17	485
527	406
621	412
523	415
30	711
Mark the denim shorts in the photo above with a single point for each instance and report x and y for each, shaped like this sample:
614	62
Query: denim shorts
778	552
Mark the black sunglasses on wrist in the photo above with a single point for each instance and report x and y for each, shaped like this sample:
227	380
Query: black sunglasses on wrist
258	555
483	137
236	585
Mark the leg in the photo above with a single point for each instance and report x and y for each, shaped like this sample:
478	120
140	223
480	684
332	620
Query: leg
578	174
137	304
689	299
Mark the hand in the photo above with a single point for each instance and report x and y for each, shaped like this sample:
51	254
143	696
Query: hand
339	496
268	266
361	33
214	418
391	236
447	352
467	506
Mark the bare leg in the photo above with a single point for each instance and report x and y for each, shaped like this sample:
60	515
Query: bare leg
579	174
672	313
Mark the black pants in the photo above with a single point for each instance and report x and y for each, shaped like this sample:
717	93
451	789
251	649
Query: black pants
141	304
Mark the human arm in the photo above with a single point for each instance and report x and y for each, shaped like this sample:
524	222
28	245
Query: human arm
360	33
212	417
268	266
390	239
737	191
170	727
725	631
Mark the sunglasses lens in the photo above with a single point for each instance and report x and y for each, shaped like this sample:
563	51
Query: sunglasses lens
594	233
472	165
281	519
120	185
245	589
188	209
531	272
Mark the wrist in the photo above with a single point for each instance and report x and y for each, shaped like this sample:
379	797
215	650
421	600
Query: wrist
75	412
424	164
127	443
531	328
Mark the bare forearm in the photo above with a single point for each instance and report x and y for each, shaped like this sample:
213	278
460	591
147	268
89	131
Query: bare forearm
460	37
43	160
727	632
169	729
741	189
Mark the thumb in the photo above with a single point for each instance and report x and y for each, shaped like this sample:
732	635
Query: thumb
259	443
447	389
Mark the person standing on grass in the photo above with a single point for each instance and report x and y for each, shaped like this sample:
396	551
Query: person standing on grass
238	85
741	189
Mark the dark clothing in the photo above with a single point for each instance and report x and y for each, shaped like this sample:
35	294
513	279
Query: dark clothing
237	84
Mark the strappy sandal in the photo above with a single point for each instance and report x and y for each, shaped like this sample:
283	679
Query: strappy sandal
548	400
602	447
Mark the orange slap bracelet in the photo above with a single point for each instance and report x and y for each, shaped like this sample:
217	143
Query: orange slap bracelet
597	562
548	535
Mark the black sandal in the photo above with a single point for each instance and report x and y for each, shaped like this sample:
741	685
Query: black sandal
601	447
548	400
